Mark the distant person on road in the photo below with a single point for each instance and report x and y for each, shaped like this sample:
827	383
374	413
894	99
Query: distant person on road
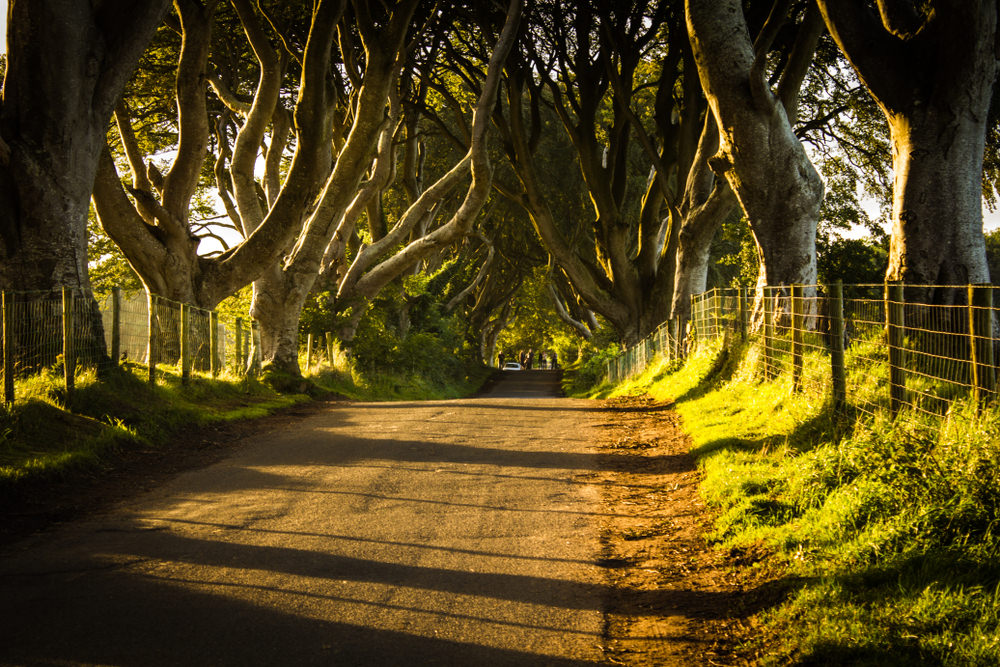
500	358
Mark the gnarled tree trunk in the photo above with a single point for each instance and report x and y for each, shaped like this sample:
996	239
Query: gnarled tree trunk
932	74
68	62
764	162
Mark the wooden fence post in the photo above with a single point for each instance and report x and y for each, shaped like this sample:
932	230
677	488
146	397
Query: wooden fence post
694	324
329	348
116	325
896	334
837	367
213	343
742	295
185	361
309	351
69	355
716	311
255	350
8	347
981	341
240	367
769	373
152	341
798	322
669	333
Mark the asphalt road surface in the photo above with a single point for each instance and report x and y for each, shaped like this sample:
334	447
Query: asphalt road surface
460	532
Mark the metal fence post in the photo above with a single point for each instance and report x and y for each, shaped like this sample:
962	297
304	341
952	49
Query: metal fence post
69	355
116	325
8	347
153	341
895	331
981	341
797	326
837	368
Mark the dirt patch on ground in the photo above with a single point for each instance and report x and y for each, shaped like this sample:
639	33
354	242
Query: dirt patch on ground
676	600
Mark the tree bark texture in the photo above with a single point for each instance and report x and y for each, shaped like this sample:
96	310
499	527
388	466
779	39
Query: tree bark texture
932	74
707	201
766	166
68	62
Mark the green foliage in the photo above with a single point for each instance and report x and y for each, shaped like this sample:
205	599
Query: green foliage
993	254
588	371
406	344
238	305
734	259
536	325
855	261
108	266
432	346
991	158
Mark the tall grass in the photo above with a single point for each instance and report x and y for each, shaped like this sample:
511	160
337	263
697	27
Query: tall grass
41	437
435	374
45	436
886	533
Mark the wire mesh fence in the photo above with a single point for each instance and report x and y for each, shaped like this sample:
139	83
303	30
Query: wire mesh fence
662	343
910	350
72	330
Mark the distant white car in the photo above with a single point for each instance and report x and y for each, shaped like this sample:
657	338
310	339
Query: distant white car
512	366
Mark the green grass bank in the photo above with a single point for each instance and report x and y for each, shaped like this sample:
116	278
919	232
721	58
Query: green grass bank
884	535
43	438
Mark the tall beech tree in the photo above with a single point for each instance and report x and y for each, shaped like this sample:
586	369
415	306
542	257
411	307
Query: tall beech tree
759	155
708	198
150	221
377	264
67	63
300	222
595	65
374	49
931	68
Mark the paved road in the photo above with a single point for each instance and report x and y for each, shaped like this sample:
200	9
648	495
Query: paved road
447	532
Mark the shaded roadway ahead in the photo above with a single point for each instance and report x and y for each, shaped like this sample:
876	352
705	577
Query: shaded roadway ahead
460	532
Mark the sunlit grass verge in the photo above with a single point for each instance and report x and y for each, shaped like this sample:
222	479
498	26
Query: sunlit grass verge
41	439
886	534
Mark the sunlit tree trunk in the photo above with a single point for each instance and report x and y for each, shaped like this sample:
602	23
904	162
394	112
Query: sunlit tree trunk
932	73
766	166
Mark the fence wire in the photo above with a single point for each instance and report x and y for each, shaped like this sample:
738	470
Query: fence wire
42	330
907	349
